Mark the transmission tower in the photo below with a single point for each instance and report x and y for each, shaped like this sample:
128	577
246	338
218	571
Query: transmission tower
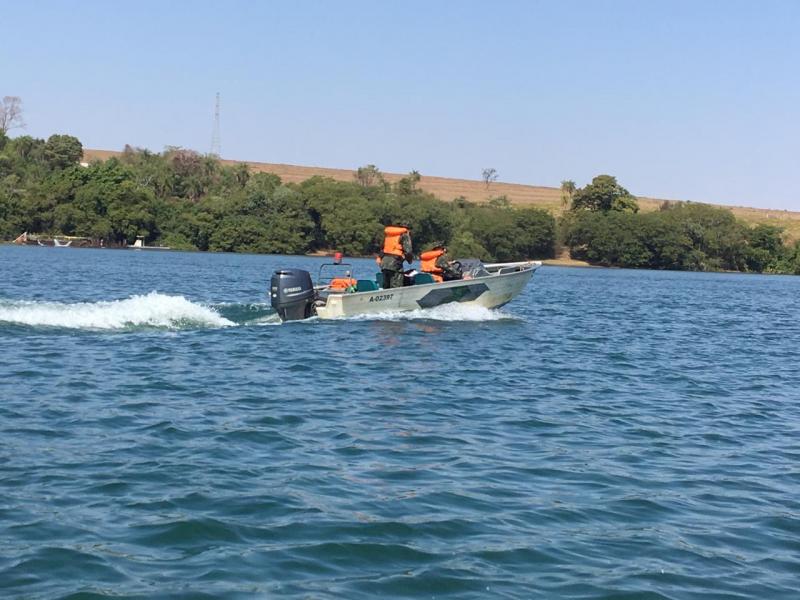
216	147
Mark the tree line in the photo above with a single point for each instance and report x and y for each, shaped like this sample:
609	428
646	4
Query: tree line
185	200
604	227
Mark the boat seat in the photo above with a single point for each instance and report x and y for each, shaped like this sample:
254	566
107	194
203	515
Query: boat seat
422	278
366	285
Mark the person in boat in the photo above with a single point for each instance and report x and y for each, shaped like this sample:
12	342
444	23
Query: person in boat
343	284
436	261
396	249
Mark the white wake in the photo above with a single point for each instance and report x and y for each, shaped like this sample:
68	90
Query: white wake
446	312
150	310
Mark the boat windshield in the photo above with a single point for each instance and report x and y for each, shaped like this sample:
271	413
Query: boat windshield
472	267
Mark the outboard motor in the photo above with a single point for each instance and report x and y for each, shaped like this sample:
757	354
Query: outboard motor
292	294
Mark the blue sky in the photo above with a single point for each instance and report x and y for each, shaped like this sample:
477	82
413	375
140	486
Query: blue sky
686	100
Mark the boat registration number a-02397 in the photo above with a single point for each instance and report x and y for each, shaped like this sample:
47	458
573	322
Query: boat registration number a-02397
381	298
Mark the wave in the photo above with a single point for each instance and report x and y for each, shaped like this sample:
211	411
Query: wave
149	310
163	311
446	312
248	314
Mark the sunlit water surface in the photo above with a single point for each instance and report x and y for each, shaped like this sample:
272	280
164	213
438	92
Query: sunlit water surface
609	434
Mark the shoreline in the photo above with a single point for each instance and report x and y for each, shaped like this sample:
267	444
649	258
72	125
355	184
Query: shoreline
546	262
568	262
553	262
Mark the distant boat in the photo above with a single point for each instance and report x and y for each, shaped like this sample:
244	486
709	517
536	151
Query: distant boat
22	239
139	245
58	244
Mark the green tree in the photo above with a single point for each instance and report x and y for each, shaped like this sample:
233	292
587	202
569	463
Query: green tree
61	151
604	194
607	238
240	233
512	234
289	225
464	245
765	249
241	173
536	233
369	175
567	192
131	214
407	185
501	202
322	196
351	227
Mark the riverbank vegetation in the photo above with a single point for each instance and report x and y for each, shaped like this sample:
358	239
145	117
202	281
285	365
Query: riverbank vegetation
184	200
605	227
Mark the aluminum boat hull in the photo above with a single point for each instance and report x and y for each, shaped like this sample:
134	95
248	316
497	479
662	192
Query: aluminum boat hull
504	282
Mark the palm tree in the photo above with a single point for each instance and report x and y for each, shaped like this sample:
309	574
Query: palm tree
567	192
241	172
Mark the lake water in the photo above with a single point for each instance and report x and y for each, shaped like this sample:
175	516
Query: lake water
608	434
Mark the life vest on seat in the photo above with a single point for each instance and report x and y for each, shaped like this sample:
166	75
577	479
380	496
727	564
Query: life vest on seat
391	240
340	284
428	260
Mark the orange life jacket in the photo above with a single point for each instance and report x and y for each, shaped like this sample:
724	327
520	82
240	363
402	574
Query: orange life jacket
342	283
429	263
391	240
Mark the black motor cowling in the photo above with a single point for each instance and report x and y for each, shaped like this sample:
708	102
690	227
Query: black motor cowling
292	294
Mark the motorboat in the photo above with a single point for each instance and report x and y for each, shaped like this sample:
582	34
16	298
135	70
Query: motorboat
295	297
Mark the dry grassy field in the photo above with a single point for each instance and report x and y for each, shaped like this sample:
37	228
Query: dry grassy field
445	188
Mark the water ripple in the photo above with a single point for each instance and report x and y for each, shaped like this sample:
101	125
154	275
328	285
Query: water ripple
610	434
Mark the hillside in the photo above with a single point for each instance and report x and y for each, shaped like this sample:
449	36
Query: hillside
445	188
